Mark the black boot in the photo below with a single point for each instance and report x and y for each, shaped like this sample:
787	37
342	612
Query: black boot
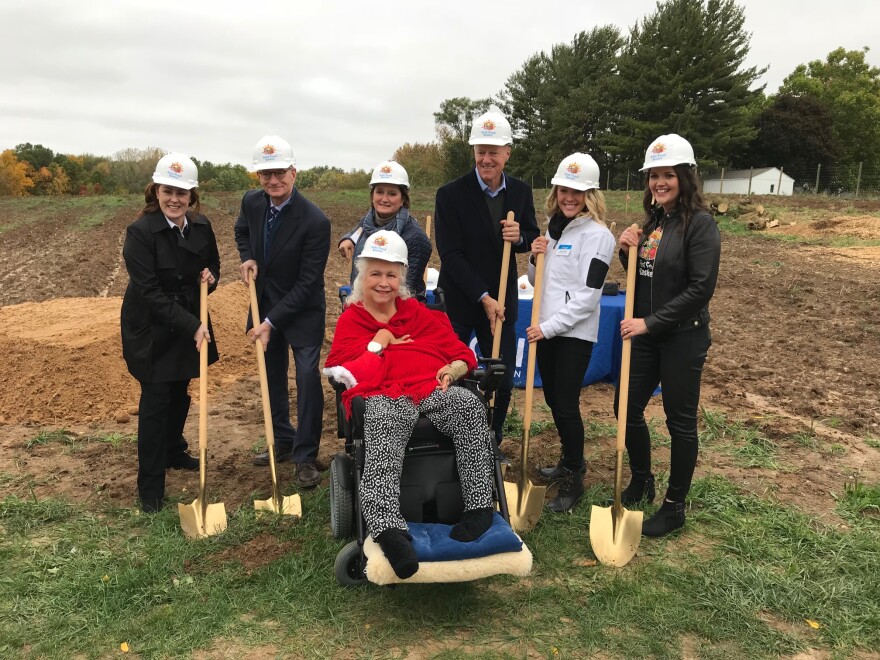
399	551
639	489
668	518
151	504
473	524
553	472
571	490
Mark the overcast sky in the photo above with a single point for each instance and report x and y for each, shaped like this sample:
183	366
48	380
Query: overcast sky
346	82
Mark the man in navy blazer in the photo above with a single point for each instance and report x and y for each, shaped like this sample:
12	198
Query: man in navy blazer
283	241
470	215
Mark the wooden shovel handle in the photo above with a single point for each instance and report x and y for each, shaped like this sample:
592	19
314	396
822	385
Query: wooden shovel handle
502	293
428	234
623	384
203	393
264	387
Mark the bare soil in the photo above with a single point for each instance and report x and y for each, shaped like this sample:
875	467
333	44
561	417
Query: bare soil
796	353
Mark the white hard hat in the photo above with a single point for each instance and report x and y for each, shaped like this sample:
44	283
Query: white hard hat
389	171
177	170
433	277
578	171
525	290
385	245
669	150
491	128
273	153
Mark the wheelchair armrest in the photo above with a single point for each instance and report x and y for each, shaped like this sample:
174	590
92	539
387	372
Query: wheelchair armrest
489	374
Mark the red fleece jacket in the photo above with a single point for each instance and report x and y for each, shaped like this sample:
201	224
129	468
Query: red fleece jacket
408	369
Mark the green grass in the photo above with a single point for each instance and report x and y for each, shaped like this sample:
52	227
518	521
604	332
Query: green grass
91	211
872	442
859	500
749	446
83	582
74	440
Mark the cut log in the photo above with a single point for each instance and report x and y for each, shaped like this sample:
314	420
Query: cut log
759	209
722	208
772	223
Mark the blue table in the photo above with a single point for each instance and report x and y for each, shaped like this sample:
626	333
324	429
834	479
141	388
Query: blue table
605	359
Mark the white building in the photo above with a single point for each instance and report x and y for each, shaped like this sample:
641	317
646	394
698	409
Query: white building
765	181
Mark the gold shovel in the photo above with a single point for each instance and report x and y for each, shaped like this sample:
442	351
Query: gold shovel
201	519
288	505
615	533
525	502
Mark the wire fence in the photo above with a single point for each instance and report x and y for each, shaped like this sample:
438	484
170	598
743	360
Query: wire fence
846	180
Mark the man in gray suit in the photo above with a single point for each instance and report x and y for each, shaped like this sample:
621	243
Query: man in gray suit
283	240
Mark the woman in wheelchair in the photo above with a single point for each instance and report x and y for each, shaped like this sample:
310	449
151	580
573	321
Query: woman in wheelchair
402	358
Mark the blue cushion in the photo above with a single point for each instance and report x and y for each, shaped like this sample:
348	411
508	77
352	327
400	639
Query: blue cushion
432	543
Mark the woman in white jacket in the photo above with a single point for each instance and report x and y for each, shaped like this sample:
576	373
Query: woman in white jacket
578	248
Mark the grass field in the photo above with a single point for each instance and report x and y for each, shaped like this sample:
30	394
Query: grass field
749	578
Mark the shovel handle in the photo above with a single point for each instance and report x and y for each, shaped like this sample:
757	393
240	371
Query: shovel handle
428	234
530	364
626	353
203	394
502	292
264	389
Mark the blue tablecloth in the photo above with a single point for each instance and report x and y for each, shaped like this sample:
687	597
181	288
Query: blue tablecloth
605	359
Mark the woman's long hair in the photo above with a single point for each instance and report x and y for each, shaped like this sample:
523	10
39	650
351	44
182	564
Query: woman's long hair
690	196
594	204
152	200
357	287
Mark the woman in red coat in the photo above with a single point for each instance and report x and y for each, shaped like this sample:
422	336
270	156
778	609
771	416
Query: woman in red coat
402	358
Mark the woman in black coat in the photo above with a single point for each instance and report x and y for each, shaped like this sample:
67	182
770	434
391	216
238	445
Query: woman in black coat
168	251
679	250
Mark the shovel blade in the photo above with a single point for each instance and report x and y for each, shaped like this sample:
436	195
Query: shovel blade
290	505
197	526
525	502
615	549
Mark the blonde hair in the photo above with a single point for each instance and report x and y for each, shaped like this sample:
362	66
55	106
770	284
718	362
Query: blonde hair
357	287
594	204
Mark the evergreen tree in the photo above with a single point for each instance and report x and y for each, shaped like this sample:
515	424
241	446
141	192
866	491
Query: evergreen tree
681	72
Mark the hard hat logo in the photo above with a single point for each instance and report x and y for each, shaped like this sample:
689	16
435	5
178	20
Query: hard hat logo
658	148
269	150
489	125
573	168
380	241
176	167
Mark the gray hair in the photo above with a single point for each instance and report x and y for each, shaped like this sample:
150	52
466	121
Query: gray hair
357	287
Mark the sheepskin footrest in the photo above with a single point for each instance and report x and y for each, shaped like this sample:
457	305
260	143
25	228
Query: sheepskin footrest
441	559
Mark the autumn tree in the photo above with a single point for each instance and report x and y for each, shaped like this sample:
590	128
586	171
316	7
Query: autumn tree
425	163
14	180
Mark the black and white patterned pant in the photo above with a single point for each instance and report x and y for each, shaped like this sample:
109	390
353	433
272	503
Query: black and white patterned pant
388	425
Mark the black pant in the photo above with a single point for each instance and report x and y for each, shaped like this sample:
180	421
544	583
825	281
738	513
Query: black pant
162	415
563	362
674	360
508	359
309	398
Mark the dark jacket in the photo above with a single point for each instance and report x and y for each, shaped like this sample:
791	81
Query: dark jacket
290	283
418	245
685	272
470	246
160	309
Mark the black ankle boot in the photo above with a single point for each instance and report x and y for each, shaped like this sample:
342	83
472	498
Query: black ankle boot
399	551
668	518
638	490
473	524
571	490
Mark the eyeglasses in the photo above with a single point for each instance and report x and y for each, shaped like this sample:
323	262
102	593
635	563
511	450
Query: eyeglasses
266	175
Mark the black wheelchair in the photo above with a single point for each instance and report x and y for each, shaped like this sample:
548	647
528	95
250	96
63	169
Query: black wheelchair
430	489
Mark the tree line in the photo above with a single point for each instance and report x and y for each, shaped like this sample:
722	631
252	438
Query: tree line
608	93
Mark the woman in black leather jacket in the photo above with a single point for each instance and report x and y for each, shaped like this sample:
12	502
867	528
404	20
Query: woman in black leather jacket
679	252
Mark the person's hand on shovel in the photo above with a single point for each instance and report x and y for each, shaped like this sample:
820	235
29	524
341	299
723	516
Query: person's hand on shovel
494	311
346	248
510	230
261	332
247	270
629	238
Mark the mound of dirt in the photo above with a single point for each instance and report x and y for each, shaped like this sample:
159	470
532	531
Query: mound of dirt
65	357
863	227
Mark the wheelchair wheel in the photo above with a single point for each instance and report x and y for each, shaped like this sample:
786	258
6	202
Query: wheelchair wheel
341	502
350	566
